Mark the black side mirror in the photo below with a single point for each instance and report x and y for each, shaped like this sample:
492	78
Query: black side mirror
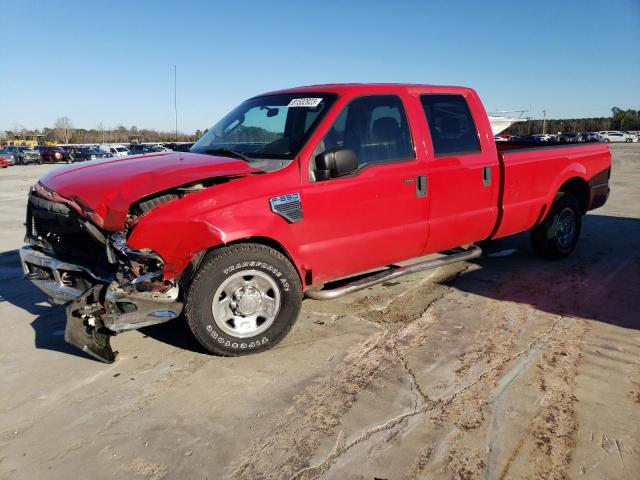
335	162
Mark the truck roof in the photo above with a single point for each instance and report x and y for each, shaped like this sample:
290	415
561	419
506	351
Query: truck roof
368	88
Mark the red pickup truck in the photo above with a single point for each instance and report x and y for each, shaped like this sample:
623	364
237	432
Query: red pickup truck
289	191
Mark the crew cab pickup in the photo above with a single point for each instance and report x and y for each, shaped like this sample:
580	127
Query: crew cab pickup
288	192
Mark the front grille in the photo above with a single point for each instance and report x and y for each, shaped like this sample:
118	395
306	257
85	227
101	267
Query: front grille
60	229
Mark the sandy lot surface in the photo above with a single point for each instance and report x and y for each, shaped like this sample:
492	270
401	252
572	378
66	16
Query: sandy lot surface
505	367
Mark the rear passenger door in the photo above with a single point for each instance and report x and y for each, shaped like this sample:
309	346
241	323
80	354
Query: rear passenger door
462	179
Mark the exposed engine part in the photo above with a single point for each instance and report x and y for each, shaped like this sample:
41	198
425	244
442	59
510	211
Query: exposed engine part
194	187
149	203
145	205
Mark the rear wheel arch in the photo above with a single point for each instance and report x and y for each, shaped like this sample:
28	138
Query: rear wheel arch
579	188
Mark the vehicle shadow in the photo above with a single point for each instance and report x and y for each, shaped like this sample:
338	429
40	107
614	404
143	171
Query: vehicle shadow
599	281
50	320
175	333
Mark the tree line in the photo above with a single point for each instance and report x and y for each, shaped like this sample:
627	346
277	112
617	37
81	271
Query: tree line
619	120
63	132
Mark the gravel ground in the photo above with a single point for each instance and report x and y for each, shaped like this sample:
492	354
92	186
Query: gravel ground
504	367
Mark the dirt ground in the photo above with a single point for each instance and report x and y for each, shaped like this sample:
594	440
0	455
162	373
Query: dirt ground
504	367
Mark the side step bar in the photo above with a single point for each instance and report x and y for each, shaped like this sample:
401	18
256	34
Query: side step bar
391	273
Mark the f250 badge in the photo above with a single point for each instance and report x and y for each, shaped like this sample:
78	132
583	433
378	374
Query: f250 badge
288	207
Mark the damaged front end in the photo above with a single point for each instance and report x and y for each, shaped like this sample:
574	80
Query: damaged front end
112	288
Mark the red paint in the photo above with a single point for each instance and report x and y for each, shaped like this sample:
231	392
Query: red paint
370	219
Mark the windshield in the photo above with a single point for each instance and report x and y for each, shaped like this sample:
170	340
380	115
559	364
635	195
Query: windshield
271	126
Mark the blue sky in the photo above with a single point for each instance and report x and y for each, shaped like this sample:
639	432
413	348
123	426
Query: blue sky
112	61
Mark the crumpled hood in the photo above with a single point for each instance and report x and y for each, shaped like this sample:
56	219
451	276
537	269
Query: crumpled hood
110	187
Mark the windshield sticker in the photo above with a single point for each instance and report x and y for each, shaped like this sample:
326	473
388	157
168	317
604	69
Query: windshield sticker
304	102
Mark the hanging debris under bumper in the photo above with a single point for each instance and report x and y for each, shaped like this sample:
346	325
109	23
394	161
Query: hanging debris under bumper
85	328
103	307
105	310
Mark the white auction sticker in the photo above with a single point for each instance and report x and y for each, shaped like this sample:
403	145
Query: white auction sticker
304	102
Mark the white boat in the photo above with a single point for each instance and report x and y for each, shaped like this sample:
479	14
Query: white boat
499	123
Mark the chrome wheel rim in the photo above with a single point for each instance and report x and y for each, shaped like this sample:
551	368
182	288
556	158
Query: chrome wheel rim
566	228
246	303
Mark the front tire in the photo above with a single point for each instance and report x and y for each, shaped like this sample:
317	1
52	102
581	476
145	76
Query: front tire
244	299
556	237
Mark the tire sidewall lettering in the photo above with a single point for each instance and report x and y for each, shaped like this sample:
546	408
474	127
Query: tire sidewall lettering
267	267
233	343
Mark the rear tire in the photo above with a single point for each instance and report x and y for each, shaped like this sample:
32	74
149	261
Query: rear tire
556	237
244	299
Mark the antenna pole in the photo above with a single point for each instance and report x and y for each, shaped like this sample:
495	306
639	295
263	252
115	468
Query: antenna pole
175	96
544	121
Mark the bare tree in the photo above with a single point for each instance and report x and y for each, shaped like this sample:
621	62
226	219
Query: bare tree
63	129
100	128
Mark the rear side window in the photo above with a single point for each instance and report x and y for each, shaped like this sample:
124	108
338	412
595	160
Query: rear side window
450	123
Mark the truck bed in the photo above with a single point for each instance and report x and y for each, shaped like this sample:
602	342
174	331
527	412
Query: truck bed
532	173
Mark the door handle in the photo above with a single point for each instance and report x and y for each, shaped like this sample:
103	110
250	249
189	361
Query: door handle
486	176
421	185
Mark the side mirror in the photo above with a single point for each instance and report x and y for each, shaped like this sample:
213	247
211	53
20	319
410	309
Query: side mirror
335	162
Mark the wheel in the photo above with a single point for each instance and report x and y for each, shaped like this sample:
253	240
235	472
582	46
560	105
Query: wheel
557	235
244	299
628	140
606	140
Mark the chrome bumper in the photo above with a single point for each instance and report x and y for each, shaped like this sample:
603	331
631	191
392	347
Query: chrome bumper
126	307
50	275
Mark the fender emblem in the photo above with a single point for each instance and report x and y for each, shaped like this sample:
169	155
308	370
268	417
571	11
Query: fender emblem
288	207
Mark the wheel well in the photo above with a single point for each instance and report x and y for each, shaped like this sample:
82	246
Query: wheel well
305	276
578	187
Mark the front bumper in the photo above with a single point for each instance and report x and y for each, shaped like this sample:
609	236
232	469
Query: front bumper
58	279
100	306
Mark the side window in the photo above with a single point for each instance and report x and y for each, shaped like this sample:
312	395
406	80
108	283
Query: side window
450	123
374	127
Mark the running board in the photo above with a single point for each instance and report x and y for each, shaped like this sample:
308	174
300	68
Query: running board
391	273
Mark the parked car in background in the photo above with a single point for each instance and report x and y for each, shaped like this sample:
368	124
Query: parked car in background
588	137
8	156
24	155
54	155
178	147
569	138
615	136
541	137
634	135
116	150
82	154
136	149
3	162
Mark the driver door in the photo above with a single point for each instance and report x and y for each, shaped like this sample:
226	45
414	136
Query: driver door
377	214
